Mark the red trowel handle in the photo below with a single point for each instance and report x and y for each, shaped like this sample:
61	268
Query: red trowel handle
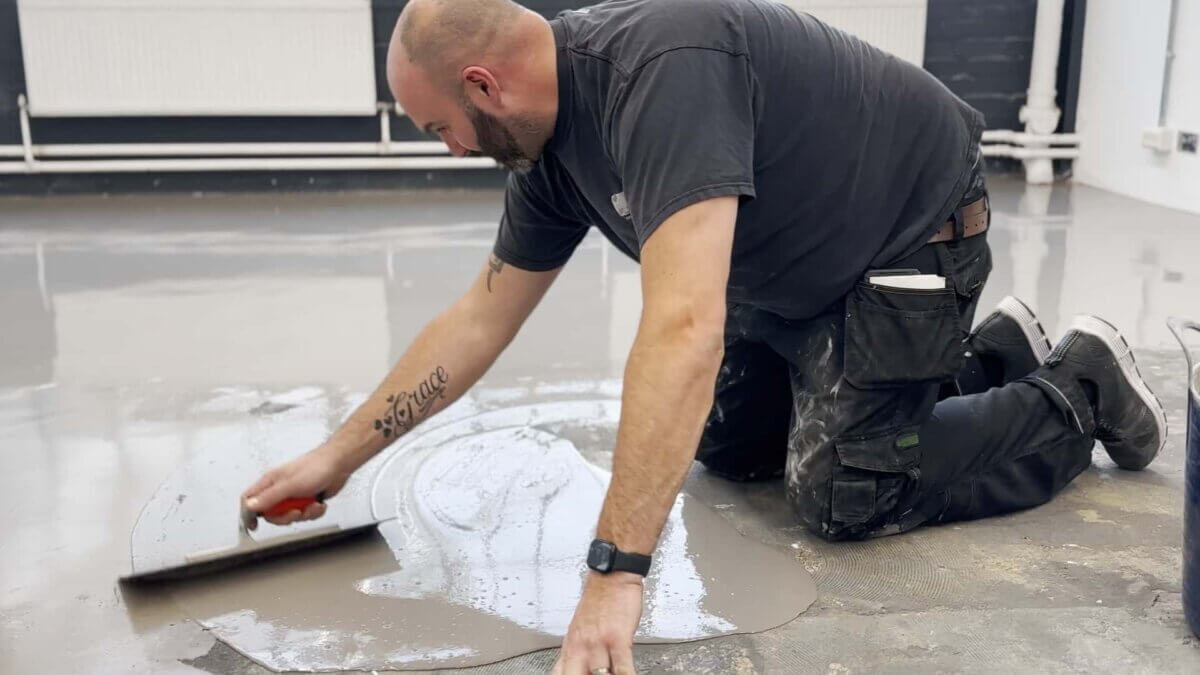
296	503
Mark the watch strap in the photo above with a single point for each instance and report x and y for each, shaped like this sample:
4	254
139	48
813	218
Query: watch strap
631	562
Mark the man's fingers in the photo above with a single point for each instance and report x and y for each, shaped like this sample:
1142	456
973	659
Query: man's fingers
576	659
262	484
274	493
284	518
622	660
313	511
597	658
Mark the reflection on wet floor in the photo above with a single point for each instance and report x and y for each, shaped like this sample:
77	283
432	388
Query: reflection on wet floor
136	326
1076	250
480	562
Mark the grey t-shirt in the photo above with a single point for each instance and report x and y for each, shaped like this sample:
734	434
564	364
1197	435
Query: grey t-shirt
843	156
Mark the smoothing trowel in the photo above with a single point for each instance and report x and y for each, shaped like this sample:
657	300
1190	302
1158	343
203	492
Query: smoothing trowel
249	549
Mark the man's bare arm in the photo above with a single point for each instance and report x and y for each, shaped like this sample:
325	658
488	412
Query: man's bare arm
669	382
449	355
446	359
671	372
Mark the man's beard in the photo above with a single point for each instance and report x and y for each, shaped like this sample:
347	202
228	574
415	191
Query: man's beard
496	141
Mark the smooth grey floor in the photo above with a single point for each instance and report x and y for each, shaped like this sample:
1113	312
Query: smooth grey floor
129	323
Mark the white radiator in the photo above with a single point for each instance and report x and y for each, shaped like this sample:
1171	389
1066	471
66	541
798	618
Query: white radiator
896	26
101	58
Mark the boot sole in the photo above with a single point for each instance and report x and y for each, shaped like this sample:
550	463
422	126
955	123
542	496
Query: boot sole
1112	338
1030	326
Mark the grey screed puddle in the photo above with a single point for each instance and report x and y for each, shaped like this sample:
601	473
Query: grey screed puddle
483	561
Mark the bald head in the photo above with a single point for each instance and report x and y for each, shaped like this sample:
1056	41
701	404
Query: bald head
480	74
442	36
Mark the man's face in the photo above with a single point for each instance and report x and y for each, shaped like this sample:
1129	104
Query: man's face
465	129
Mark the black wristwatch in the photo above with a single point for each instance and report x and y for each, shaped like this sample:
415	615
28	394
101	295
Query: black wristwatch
604	557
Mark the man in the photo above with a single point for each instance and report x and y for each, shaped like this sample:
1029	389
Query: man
810	217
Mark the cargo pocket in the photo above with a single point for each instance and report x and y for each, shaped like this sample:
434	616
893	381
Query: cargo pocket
873	477
897	337
967	264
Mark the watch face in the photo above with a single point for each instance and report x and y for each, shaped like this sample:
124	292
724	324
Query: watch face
600	556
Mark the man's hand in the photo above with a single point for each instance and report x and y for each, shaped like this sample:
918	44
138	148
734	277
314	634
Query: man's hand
319	471
601	632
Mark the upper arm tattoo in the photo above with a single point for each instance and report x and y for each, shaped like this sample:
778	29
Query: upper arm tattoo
495	265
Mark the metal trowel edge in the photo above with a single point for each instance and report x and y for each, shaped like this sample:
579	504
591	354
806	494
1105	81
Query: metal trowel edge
249	550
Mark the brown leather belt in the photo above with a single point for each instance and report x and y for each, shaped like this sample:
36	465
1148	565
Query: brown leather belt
972	219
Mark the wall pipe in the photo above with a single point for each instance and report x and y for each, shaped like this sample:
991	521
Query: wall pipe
1028	154
248	164
402	148
385	128
366	163
83	150
299	156
1022	138
26	134
382	155
1168	63
1040	112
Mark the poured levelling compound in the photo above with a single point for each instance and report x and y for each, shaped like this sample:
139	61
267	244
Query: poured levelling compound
482	562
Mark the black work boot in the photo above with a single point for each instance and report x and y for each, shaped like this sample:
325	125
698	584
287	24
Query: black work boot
1008	345
1128	418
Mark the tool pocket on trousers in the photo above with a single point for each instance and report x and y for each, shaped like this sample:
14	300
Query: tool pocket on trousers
872	476
901	336
967	263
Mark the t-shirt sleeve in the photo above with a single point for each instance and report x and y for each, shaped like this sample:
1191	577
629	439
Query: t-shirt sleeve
684	133
536	233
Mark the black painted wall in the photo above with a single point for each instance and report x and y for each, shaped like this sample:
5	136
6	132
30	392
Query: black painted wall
979	48
982	49
12	72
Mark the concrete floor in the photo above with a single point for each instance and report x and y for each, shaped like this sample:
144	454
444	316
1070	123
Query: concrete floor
128	320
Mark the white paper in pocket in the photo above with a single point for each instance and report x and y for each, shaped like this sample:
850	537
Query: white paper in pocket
919	282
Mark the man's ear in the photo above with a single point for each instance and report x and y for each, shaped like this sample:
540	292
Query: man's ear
483	91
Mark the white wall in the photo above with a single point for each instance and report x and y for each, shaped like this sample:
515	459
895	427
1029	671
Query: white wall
98	58
896	26
1124	47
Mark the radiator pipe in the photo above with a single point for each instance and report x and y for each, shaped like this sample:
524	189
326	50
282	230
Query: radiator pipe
84	150
1029	154
168	157
249	164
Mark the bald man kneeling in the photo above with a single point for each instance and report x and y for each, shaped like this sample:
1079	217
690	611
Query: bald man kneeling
811	219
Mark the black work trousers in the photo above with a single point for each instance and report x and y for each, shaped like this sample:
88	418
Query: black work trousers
862	411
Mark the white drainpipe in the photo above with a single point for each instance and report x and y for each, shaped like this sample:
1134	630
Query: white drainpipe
1038	145
1040	114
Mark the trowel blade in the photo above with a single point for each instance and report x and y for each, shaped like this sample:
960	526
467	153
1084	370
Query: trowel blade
250	550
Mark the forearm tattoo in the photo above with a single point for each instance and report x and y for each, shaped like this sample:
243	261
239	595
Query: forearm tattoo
495	265
407	408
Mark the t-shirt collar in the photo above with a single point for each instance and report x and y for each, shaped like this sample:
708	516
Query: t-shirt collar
562	125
